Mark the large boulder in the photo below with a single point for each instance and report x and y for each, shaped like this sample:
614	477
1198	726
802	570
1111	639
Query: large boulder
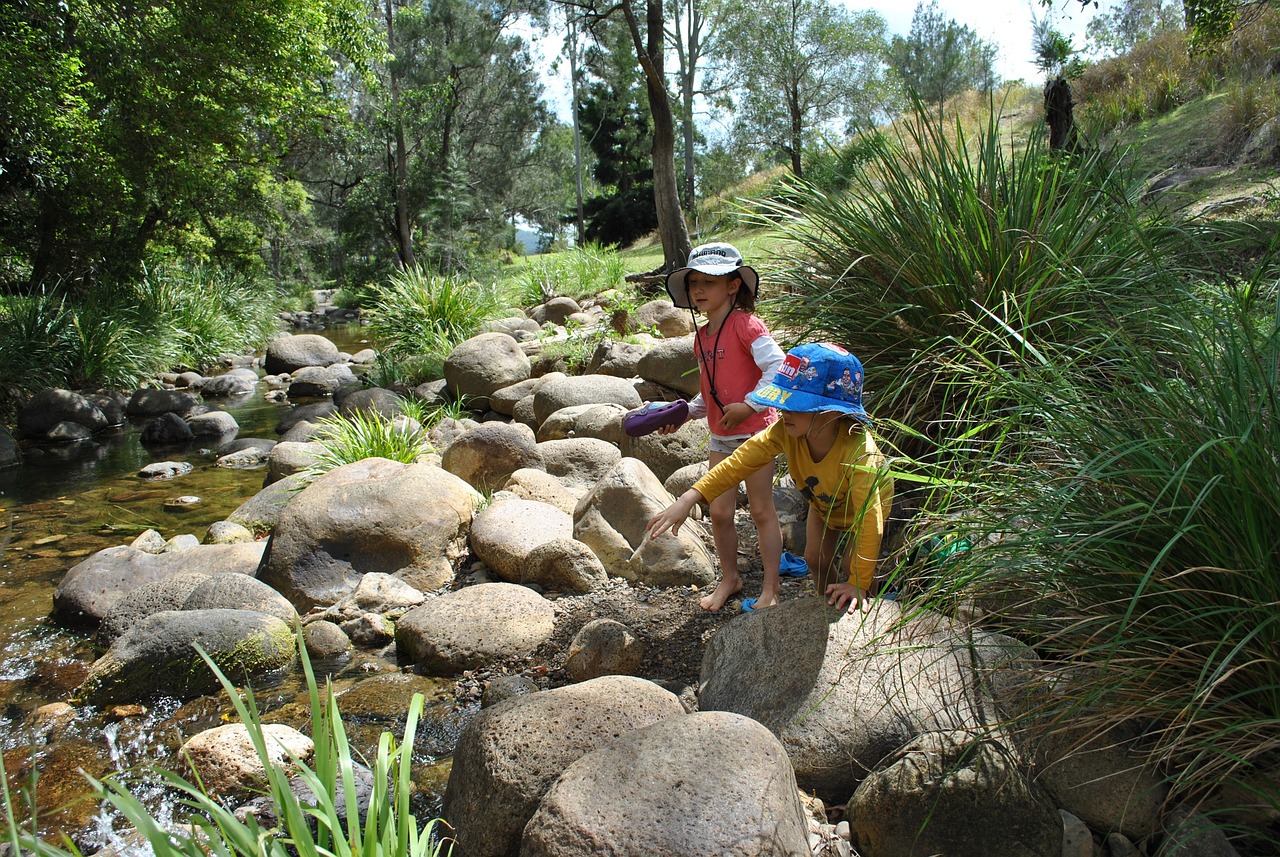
957	794
289	457
504	401
51	406
664	454
618	359
289	353
372	400
603	421
669	320
698	785
410	520
510	754
529	484
93	586
583	390
672	364
846	690
578	460
149	402
474	626
612	519
260	513
158	655
213	424
168	593
310	413
166	430
564	565
554	311
487	455
483	364
311	381
504	534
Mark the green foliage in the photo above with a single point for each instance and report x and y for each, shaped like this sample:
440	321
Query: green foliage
942	232
346	438
940	58
420	313
1144	558
326	822
116	338
578	273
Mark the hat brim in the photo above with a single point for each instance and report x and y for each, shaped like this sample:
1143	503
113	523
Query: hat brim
678	287
773	396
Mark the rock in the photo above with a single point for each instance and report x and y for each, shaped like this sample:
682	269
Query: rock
183	504
325	640
671	363
312	413
504	534
583	390
697	785
410	520
153	403
214	424
378	593
618	359
52	406
504	400
237	382
10	455
563	565
312	381
365	357
369	630
1077	841
182	541
1189	834
289	353
92	587
670	321
504	687
487	455
602	421
612	520
260	513
238	592
664	454
529	484
248	458
167	593
579	460
157	656
111	404
511	325
372	400
510	754
474	626
954	793
162	470
67	432
303	431
603	647
478	367
166	430
227	533
227	763
150	541
846	690
554	311
288	457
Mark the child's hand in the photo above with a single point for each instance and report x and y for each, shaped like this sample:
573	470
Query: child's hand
735	413
671	429
856	597
674	515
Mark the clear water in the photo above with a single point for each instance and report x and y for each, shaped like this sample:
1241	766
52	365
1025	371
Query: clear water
63	504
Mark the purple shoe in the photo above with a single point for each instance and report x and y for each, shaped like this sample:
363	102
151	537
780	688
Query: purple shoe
652	416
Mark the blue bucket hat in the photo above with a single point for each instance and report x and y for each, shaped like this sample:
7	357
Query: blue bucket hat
816	377
716	259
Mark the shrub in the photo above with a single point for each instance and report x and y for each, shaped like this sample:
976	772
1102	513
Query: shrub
345	438
421	313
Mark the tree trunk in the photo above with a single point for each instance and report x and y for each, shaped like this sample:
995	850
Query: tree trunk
672	228
580	221
1058	113
399	159
797	134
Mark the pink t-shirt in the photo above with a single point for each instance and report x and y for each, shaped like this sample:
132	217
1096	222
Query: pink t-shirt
726	359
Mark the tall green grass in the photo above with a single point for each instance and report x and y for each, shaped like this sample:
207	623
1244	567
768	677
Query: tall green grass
174	316
578	273
948	236
345	438
1135	541
420	314
328	823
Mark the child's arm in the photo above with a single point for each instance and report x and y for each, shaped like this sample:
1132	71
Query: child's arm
674	515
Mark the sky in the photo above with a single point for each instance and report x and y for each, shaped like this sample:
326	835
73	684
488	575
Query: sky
1006	22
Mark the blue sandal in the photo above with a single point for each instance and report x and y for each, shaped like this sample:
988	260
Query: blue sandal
792	565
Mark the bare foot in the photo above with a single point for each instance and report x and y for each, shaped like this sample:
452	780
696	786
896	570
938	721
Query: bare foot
766	599
724	591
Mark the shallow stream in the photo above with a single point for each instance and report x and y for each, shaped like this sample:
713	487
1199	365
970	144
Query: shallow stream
63	504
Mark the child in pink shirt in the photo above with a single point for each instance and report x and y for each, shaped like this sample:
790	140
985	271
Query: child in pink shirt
736	356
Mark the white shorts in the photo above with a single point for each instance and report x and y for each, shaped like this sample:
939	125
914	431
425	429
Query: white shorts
726	444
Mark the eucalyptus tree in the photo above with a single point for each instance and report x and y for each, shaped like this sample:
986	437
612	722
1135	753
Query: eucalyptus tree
125	124
694	34
801	68
939	58
1132	22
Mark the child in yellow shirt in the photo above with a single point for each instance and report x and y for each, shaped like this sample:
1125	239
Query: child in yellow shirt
834	460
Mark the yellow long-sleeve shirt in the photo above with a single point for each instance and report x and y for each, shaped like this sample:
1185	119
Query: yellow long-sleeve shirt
849	487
